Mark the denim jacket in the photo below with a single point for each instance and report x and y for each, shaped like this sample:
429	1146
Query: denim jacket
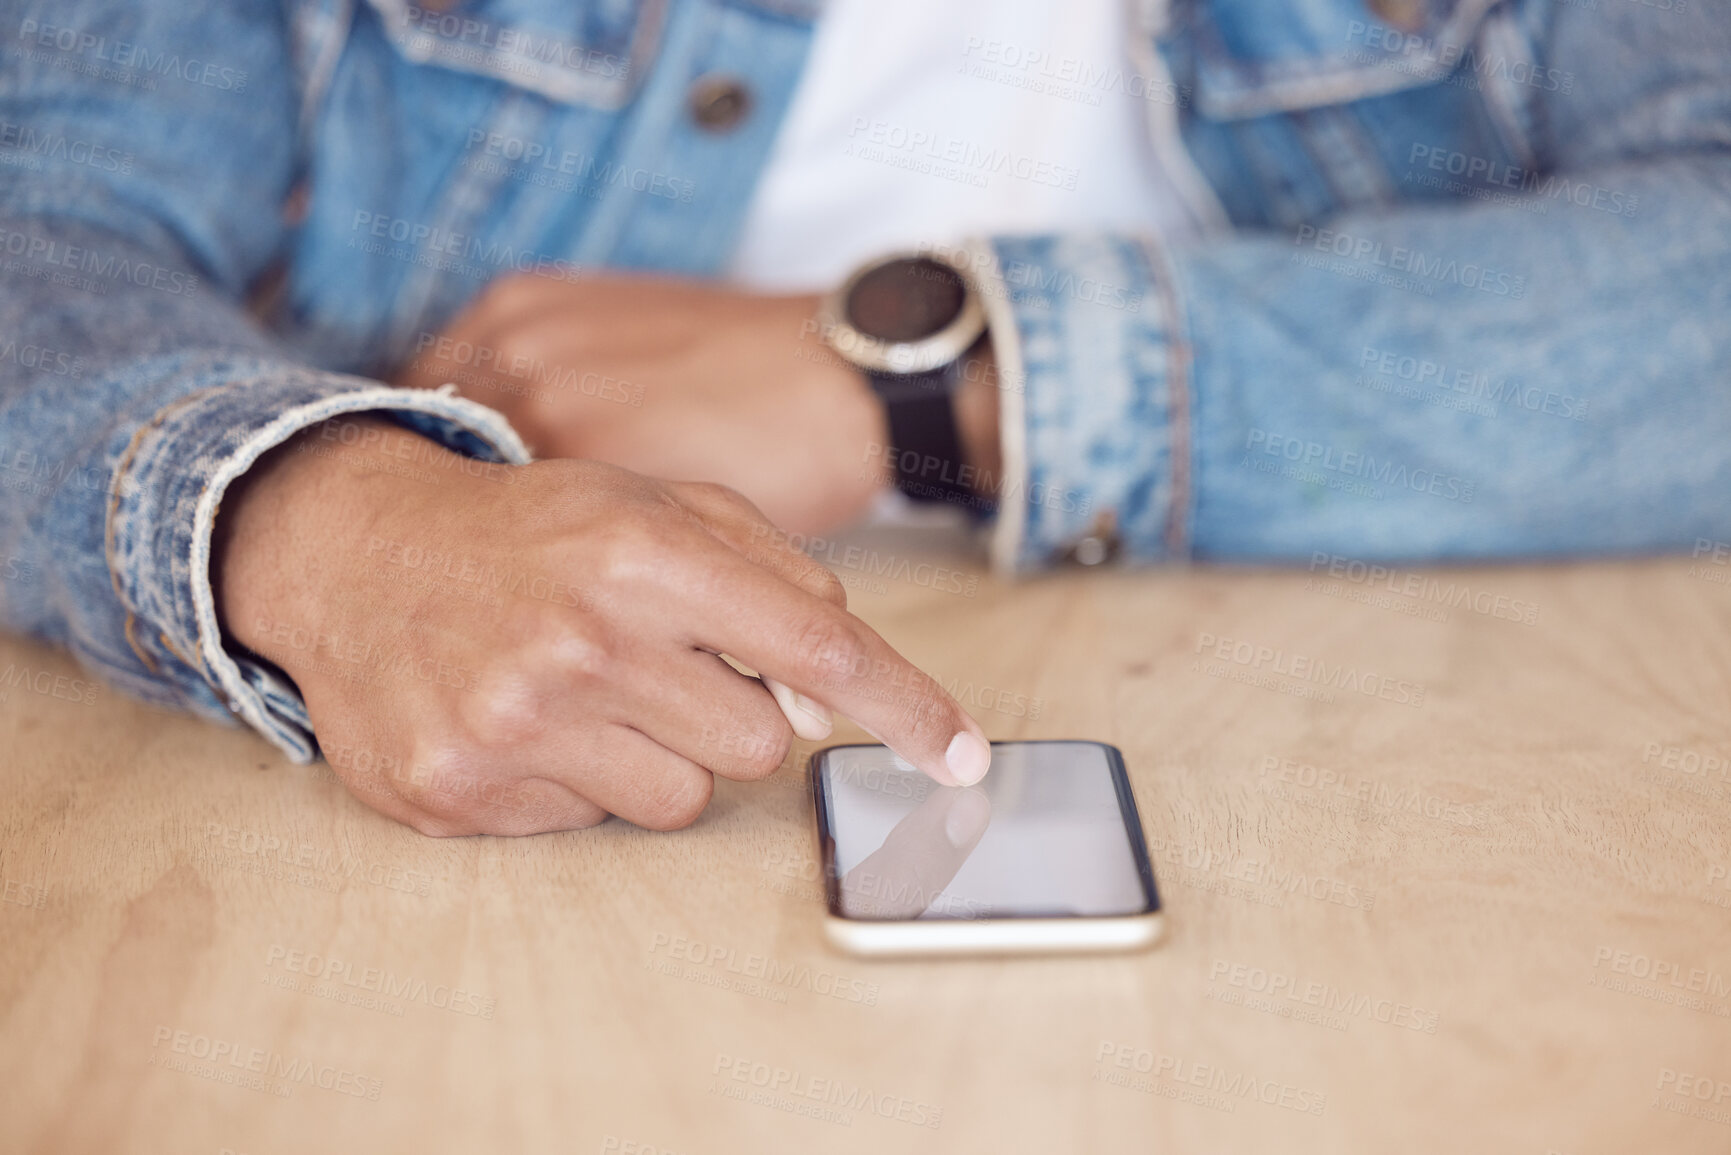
1462	287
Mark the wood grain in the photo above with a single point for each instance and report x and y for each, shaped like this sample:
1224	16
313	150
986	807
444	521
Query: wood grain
1393	925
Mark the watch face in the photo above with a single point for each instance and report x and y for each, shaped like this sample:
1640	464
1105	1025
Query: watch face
905	314
907	299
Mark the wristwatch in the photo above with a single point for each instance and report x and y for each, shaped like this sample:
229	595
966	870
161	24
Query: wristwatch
909	320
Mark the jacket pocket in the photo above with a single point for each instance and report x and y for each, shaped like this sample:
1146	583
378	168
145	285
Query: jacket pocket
588	52
1254	59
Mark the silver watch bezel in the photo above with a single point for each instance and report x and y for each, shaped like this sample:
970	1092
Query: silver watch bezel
903	357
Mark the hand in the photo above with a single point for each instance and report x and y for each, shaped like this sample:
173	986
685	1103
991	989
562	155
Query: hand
672	379
496	649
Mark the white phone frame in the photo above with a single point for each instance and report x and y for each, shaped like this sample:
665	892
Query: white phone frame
916	937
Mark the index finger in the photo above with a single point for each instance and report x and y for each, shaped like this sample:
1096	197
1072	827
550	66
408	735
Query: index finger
829	655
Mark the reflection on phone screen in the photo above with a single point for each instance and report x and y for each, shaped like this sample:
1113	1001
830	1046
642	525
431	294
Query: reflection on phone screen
1045	835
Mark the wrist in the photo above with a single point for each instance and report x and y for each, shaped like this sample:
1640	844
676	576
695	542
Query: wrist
473	375
290	527
976	408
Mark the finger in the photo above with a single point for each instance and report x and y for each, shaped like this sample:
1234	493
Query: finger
526	806
537	806
730	516
829	655
810	720
919	858
706	711
638	779
437	804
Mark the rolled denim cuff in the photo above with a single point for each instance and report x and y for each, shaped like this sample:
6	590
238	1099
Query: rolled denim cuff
1095	413
163	503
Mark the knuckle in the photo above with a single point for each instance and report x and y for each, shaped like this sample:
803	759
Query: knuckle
740	504
576	653
503	712
716	493
537	806
510	292
430	826
730	505
584	814
827	650
826	585
764	747
440	779
535	343
440	815
677	801
634	549
927	710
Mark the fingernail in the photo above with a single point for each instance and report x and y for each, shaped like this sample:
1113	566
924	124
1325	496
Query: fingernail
816	709
970	812
810	720
968	758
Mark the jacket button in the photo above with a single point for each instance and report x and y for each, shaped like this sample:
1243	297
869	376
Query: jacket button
718	103
1092	551
1406	15
1099	546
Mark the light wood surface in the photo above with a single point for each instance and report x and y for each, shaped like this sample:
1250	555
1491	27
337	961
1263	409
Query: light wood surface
1503	925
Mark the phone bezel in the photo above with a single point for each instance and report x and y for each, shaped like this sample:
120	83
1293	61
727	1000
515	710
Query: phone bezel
1126	810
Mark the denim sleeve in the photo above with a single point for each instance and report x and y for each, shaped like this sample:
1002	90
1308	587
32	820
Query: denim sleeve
146	151
1519	376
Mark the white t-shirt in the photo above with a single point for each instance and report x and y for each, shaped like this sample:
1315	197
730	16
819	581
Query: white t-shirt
931	121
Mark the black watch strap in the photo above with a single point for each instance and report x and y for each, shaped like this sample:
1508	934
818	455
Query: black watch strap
925	445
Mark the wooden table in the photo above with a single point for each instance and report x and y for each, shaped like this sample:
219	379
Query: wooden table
1467	892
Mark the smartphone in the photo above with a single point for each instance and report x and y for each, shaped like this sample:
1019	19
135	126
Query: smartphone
1044	855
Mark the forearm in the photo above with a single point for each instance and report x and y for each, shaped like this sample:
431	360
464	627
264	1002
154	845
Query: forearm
136	387
130	413
1469	382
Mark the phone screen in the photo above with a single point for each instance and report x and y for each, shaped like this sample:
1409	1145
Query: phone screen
1051	832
